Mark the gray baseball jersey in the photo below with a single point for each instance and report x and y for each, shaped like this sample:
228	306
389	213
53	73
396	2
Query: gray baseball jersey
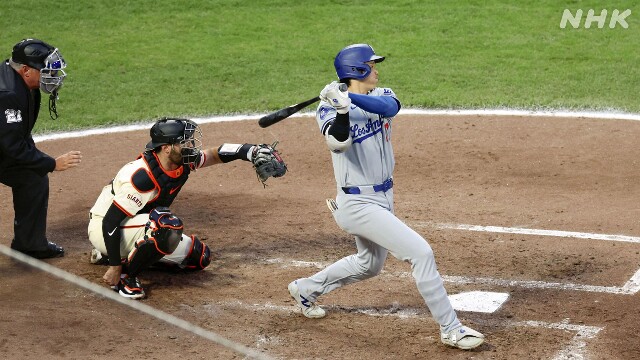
370	159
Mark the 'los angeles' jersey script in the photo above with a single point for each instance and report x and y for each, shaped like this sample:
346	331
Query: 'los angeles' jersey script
370	159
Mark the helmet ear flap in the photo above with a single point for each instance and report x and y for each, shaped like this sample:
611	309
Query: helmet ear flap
351	62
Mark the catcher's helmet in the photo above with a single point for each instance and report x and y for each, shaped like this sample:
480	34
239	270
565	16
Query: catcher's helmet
350	61
177	131
44	57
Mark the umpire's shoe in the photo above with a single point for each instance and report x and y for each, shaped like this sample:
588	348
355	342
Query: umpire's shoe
462	337
309	309
129	287
51	251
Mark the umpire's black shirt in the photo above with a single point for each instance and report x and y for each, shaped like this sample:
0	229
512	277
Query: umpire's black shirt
19	109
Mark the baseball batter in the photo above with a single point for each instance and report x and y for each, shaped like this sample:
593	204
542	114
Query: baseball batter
357	128
131	226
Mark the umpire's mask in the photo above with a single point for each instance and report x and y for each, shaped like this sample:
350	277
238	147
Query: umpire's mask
52	74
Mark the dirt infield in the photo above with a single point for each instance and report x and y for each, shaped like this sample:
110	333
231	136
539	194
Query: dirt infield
569	297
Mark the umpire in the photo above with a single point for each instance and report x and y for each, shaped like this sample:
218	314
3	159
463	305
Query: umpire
34	66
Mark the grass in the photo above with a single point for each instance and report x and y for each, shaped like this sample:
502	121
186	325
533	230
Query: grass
139	60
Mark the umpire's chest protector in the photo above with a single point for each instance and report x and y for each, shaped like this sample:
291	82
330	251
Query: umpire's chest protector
19	109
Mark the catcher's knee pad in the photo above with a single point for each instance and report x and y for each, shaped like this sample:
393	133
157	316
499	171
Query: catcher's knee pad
199	255
165	229
163	233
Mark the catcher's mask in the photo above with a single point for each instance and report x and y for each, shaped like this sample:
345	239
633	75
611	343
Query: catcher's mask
350	63
44	57
184	132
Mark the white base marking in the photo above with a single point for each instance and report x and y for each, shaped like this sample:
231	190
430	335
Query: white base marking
478	301
630	288
633	285
576	349
539	232
624	290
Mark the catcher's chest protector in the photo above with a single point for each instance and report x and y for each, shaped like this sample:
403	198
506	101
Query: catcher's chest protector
169	186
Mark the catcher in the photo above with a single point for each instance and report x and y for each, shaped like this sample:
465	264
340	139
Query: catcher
131	226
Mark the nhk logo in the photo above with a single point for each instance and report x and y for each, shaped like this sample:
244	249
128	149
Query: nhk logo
617	18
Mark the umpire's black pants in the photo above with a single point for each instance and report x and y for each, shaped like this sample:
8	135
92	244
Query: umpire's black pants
30	203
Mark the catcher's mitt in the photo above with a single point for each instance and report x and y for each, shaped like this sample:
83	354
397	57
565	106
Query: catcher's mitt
267	162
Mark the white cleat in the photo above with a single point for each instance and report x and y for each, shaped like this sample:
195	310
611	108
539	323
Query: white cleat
462	337
97	258
309	309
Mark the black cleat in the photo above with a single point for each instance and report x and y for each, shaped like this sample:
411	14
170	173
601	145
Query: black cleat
129	287
52	251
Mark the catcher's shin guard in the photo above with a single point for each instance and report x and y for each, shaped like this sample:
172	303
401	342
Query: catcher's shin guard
146	253
199	255
162	236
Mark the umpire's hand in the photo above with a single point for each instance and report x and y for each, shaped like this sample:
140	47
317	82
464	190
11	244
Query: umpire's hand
68	160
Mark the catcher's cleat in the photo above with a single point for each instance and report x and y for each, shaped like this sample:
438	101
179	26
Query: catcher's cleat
309	309
129	287
97	258
462	337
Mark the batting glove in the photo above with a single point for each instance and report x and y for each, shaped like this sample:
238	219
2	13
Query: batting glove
338	99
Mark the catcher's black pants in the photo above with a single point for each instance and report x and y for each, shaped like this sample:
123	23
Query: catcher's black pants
30	203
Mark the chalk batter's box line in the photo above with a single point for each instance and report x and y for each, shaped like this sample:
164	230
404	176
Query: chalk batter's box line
576	349
631	287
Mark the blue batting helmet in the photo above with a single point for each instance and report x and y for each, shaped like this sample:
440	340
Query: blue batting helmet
350	61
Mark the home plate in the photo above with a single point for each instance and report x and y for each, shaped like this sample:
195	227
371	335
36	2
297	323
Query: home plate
478	301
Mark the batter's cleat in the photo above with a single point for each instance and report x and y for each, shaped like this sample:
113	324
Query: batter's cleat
309	309
97	258
129	287
462	337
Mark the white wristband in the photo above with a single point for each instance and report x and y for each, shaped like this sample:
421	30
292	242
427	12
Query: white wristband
250	152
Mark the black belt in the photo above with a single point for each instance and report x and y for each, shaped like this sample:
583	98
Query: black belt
369	189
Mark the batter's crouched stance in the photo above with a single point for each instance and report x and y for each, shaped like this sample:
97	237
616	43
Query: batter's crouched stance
131	226
357	129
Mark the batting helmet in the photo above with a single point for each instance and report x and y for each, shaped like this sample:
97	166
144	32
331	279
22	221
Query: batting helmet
350	63
177	131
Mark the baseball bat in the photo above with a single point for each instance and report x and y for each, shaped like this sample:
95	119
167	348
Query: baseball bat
284	113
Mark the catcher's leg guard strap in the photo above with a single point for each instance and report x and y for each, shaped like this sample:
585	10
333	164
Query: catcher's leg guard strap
151	249
199	256
143	255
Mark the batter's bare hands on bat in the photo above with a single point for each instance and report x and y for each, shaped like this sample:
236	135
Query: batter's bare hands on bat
338	99
112	276
68	160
